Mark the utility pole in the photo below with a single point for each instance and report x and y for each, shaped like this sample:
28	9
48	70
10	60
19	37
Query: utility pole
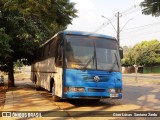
118	29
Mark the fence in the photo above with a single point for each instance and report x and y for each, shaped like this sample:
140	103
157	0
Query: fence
131	69
155	69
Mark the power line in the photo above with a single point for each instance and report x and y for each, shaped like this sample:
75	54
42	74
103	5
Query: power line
105	24
134	8
110	22
141	34
125	24
148	25
131	12
141	29
124	13
129	9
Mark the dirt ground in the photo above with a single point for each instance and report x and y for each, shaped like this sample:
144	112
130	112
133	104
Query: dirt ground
3	89
22	76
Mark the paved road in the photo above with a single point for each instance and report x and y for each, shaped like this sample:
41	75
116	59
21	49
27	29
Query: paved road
137	97
149	77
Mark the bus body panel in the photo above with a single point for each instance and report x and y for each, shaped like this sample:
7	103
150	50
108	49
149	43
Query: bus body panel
58	82
46	70
93	89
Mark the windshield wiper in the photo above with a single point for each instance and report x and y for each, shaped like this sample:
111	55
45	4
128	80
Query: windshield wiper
116	61
88	62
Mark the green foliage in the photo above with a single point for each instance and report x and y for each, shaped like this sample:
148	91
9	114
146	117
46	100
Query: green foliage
18	64
146	53
5	49
127	60
151	7
28	23
53	15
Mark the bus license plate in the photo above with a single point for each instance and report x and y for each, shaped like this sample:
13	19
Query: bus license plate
113	95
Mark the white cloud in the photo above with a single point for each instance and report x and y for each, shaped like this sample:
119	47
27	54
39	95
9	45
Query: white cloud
84	5
137	1
87	17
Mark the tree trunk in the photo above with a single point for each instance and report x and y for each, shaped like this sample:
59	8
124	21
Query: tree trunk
10	74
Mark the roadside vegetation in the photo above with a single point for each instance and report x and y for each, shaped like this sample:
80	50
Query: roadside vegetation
25	25
146	53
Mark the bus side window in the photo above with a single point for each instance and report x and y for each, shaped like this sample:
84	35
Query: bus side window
45	51
49	51
41	53
58	59
52	48
59	54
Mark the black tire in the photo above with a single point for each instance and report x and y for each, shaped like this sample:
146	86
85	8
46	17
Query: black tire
1	84
51	85
55	98
96	100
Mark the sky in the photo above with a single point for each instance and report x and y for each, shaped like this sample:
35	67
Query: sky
134	26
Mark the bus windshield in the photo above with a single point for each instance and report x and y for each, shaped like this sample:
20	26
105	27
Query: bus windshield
88	52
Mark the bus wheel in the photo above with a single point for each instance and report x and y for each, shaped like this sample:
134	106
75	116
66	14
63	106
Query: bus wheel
96	100
55	98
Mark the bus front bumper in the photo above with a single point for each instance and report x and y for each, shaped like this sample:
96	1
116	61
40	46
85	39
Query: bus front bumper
92	95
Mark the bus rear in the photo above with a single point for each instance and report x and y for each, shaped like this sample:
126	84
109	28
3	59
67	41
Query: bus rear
92	67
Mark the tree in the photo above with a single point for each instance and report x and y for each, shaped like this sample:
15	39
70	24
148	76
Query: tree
151	7
28	23
147	53
128	59
18	64
5	49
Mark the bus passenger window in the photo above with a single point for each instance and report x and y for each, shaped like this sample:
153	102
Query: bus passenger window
59	57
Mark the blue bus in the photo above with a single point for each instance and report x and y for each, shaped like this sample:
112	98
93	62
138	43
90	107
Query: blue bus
79	65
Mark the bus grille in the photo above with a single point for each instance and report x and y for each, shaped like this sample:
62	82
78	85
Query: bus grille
95	90
91	78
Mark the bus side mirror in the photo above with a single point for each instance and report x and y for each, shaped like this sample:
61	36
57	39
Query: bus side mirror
121	52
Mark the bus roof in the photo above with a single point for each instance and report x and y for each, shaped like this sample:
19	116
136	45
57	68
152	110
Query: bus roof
86	34
66	32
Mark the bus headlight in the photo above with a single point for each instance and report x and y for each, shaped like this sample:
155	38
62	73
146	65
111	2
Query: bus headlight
111	90
71	89
76	89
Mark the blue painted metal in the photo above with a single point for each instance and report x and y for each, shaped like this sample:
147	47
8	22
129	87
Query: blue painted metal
86	34
80	78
